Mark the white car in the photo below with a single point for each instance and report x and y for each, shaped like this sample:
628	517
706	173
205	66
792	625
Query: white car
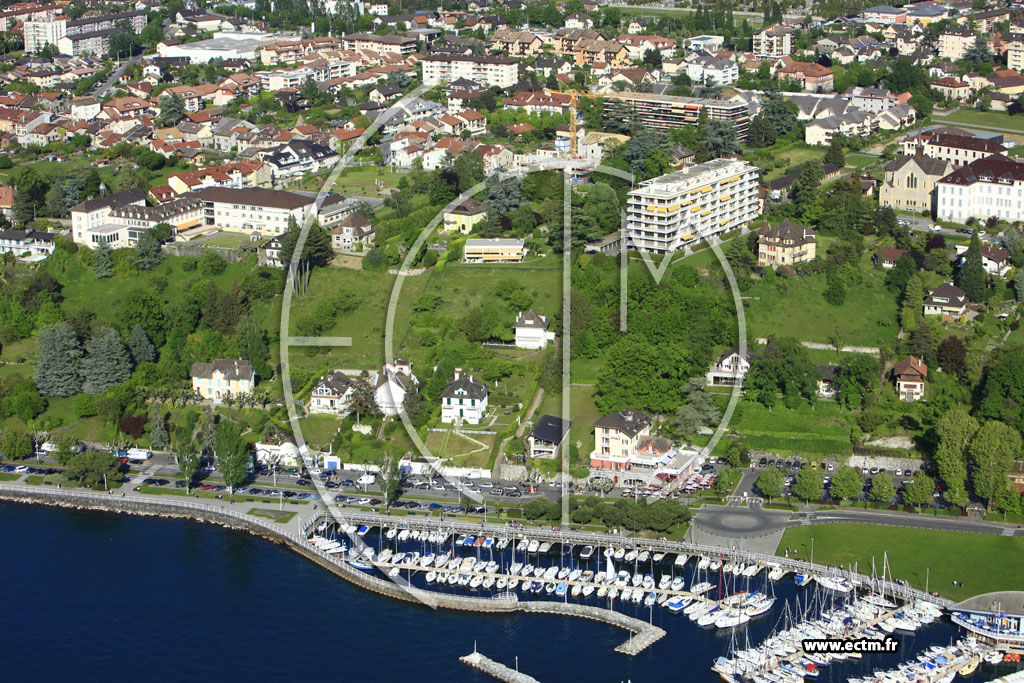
21	469
936	227
486	485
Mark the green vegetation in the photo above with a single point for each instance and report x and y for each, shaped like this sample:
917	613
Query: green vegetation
792	431
985	119
912	551
279	516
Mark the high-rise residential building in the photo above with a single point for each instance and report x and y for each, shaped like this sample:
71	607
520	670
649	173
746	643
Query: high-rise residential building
773	42
676	210
44	31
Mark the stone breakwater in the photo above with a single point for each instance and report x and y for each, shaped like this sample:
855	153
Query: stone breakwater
495	669
642	633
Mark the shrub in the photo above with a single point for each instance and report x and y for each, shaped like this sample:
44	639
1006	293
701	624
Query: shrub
133	426
85	405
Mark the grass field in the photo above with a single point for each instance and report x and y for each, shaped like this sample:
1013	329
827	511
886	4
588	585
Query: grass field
860	160
793	157
912	551
358	181
224	240
802	431
989	119
319	430
866	318
753	20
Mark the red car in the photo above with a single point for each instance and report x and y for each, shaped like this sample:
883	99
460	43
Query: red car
208	487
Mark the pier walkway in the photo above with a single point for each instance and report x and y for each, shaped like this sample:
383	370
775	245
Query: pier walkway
495	669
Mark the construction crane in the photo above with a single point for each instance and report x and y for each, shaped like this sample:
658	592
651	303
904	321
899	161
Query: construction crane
573	97
573	146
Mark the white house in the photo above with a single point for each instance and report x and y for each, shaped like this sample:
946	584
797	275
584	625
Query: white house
532	331
391	385
730	368
464	399
330	395
996	261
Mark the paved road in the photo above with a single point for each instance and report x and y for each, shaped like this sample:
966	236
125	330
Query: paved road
915	521
101	88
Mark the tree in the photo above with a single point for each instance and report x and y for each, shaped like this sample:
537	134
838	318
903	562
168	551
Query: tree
918	490
856	380
92	469
363	400
979	53
992	451
232	452
808	485
102	263
954	432
834	154
835	291
106	362
15	443
913	303
761	132
771	483
698	411
147	251
390	476
847	483
141	348
882	488
784	367
59	353
316	251
952	356
188	463
158	427
720	139
973	279
652	58
208	435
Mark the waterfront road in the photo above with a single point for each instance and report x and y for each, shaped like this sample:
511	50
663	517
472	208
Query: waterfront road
914	521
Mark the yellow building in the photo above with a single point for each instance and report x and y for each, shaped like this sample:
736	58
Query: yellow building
463	217
222	378
496	250
785	245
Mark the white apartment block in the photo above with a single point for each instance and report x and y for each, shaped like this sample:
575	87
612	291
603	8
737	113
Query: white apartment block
486	70
253	210
42	32
993	186
773	42
679	209
1014	51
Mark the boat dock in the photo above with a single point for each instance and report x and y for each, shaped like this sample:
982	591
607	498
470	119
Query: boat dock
495	669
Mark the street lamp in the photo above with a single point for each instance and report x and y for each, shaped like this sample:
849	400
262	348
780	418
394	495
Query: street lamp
927	575
812	549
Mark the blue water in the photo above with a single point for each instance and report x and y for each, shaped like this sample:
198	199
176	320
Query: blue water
97	596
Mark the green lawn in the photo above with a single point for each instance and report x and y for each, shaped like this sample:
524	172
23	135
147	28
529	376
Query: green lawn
754	21
280	516
801	431
357	181
797	308
911	551
319	430
224	240
990	119
860	160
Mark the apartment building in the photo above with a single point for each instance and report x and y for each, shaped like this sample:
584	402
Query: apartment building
46	30
495	250
253	210
773	42
618	437
959	150
668	111
92	213
401	45
96	43
488	70
103	22
680	209
1014	43
954	43
992	186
